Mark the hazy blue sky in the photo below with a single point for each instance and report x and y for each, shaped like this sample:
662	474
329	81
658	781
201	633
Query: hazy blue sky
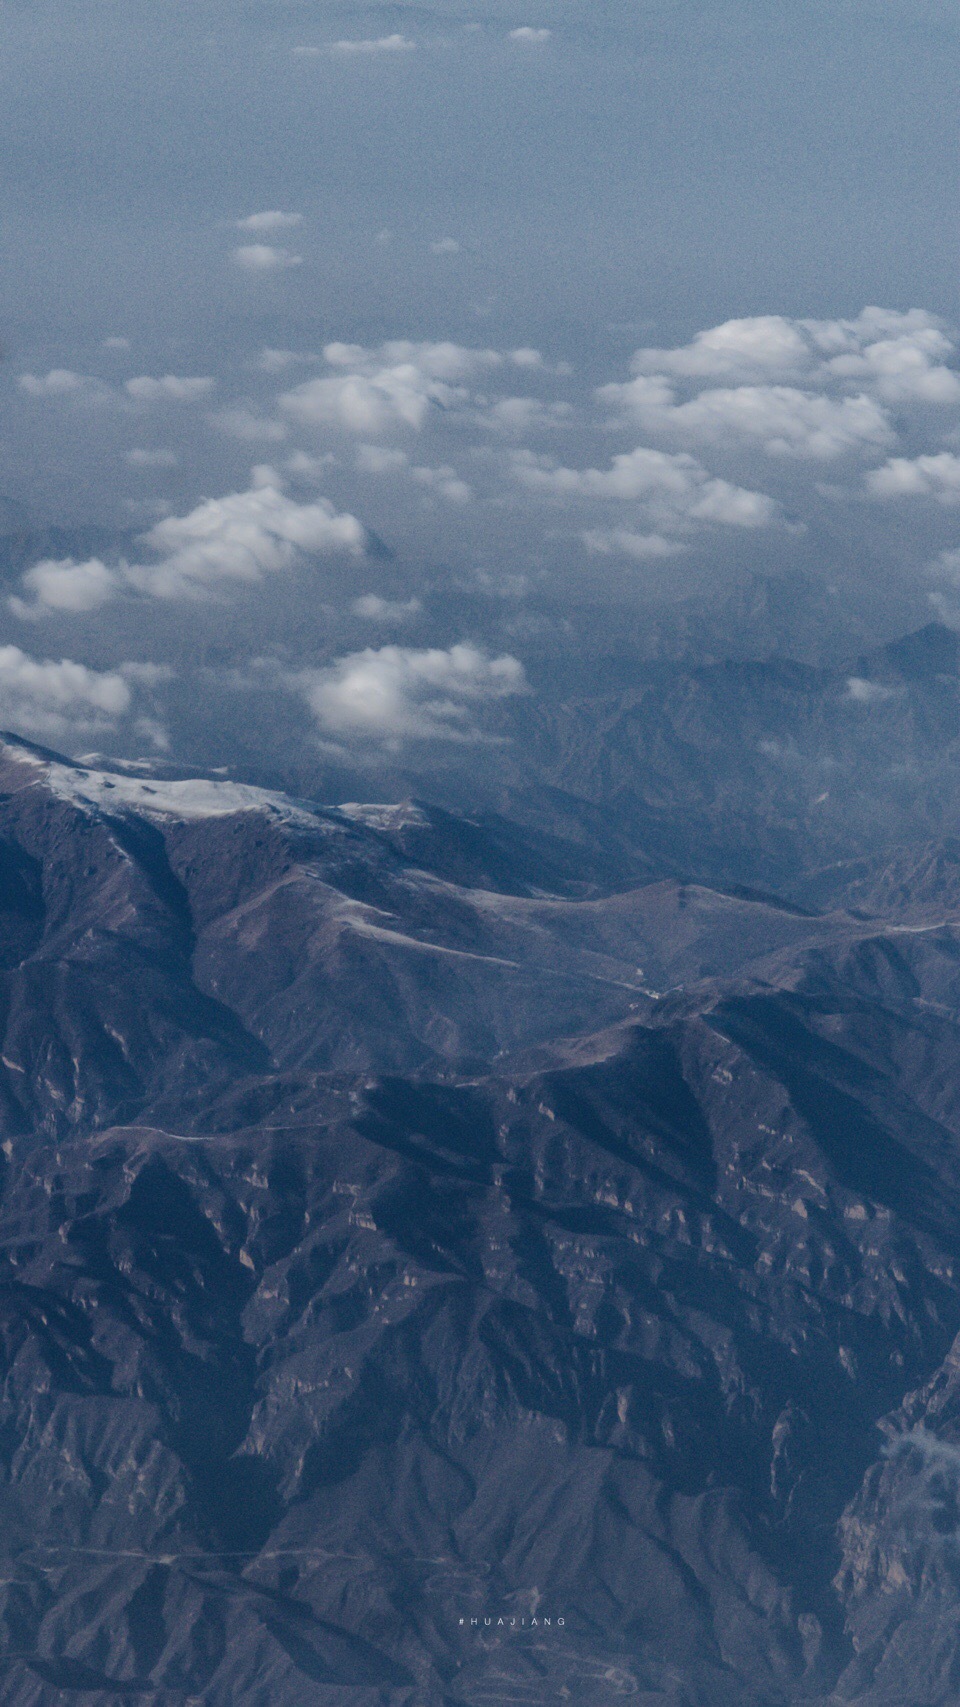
437	274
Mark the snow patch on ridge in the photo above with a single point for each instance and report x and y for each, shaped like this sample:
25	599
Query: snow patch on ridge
384	817
186	798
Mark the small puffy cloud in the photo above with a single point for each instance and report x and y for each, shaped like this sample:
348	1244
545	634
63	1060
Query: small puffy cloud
235	540
119	344
376	609
160	458
170	388
62	382
53	699
861	691
623	542
674	488
265	258
378	44
445	481
272	219
64	585
527	33
445	246
395	691
935	476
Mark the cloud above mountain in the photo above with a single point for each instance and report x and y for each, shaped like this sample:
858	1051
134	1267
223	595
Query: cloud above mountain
675	488
57	698
393	692
392	387
817	389
934	476
222	543
478	454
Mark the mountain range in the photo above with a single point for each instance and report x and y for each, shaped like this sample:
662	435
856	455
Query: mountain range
503	1256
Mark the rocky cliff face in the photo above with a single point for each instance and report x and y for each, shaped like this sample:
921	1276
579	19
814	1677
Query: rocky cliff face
433	1275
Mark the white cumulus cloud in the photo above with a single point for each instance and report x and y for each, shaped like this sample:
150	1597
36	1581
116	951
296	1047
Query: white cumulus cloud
901	355
793	387
527	33
53	699
234	540
62	584
934	476
674	488
781	420
265	258
62	382
272	219
392	387
765	344
390	692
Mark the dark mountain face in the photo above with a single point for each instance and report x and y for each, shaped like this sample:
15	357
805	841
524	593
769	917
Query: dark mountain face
408	1219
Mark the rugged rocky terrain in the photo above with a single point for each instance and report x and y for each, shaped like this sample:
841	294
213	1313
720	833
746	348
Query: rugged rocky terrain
409	1220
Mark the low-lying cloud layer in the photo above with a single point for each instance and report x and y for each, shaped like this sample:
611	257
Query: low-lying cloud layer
503	458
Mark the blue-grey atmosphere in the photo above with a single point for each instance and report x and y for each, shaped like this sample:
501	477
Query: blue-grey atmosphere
316	315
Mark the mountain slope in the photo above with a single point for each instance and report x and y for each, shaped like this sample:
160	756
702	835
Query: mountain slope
382	1251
